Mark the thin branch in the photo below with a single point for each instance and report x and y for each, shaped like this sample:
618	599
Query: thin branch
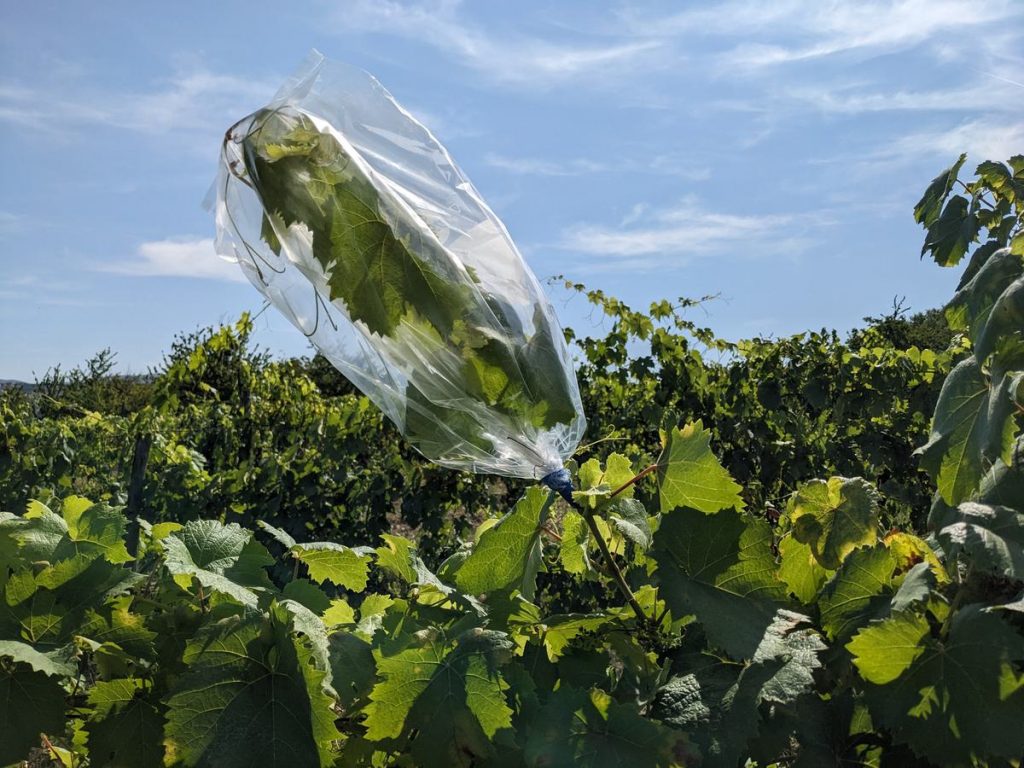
550	532
635	480
613	568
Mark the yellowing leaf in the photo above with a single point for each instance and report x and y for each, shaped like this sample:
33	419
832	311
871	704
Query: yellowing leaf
835	517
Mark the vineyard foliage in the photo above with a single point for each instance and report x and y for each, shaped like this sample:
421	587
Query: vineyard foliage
286	585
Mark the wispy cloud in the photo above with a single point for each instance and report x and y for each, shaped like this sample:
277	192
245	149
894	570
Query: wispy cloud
189	101
931	148
667	165
993	96
794	31
177	258
981	139
535	167
662	237
521	60
11	222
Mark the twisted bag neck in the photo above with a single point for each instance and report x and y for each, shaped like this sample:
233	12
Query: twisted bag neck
560	481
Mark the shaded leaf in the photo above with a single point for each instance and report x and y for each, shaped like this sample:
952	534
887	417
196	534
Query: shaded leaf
722	569
31	703
917	587
353	669
57	663
929	206
125	728
249	697
590	728
559	630
307	594
960	696
859	591
629	518
991	536
719	702
952	232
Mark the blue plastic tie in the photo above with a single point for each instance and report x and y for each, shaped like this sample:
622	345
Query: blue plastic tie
560	481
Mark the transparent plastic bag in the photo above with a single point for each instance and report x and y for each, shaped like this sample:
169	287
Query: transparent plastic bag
353	220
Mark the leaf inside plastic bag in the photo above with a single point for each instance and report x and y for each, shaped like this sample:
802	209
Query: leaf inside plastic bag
352	220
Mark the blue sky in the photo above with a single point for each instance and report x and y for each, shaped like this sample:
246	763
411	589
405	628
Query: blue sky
767	152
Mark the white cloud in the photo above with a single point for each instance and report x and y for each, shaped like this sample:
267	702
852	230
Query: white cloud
178	258
11	222
535	167
673	165
188	102
981	139
802	30
646	237
998	96
513	60
665	165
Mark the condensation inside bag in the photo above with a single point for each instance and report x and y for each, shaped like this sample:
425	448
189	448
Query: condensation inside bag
353	220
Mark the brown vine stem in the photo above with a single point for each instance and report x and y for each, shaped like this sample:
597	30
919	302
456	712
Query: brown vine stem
613	568
643	473
50	748
554	536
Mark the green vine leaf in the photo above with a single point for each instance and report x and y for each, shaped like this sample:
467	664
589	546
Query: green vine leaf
884	650
224	558
958	697
954	452
249	696
509	554
720	568
335	563
125	728
596	483
31	703
859	591
572	549
454	695
689	474
800	570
